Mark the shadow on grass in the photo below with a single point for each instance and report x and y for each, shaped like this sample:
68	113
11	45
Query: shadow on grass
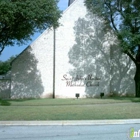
132	99
8	102
4	102
23	100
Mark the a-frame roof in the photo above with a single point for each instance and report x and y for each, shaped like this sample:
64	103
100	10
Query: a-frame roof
70	2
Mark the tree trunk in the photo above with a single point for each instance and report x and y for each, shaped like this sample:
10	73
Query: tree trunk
137	80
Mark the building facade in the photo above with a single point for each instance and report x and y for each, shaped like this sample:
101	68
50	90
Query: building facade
77	57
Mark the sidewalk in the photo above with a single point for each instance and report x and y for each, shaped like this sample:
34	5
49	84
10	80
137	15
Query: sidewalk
69	122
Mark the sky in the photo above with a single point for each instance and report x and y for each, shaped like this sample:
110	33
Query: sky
15	50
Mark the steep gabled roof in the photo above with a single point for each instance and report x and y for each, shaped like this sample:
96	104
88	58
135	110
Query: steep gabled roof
70	2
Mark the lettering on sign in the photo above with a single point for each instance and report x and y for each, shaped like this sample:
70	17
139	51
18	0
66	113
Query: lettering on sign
81	81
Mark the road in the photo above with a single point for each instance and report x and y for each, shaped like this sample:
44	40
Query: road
95	132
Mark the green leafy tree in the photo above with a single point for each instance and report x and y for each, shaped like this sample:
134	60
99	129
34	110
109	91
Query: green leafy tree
19	19
124	18
6	65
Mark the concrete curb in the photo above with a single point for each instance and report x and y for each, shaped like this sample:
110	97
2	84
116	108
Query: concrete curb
69	122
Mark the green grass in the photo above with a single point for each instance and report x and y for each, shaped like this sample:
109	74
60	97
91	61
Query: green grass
70	109
53	102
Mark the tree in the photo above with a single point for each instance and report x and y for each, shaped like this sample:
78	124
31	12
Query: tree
19	19
124	18
6	65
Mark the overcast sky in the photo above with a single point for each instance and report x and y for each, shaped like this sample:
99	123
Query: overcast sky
15	50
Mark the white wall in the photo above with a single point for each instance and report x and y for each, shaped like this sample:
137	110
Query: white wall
5	88
122	73
25	76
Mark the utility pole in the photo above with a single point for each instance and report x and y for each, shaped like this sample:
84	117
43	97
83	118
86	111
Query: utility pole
54	44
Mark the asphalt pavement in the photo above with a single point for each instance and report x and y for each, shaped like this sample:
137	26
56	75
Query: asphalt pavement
70	130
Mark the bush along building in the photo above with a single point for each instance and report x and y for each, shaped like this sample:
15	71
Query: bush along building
80	57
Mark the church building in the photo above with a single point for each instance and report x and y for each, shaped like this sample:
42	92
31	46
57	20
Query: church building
80	57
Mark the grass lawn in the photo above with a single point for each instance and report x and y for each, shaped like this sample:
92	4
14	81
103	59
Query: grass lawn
70	109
